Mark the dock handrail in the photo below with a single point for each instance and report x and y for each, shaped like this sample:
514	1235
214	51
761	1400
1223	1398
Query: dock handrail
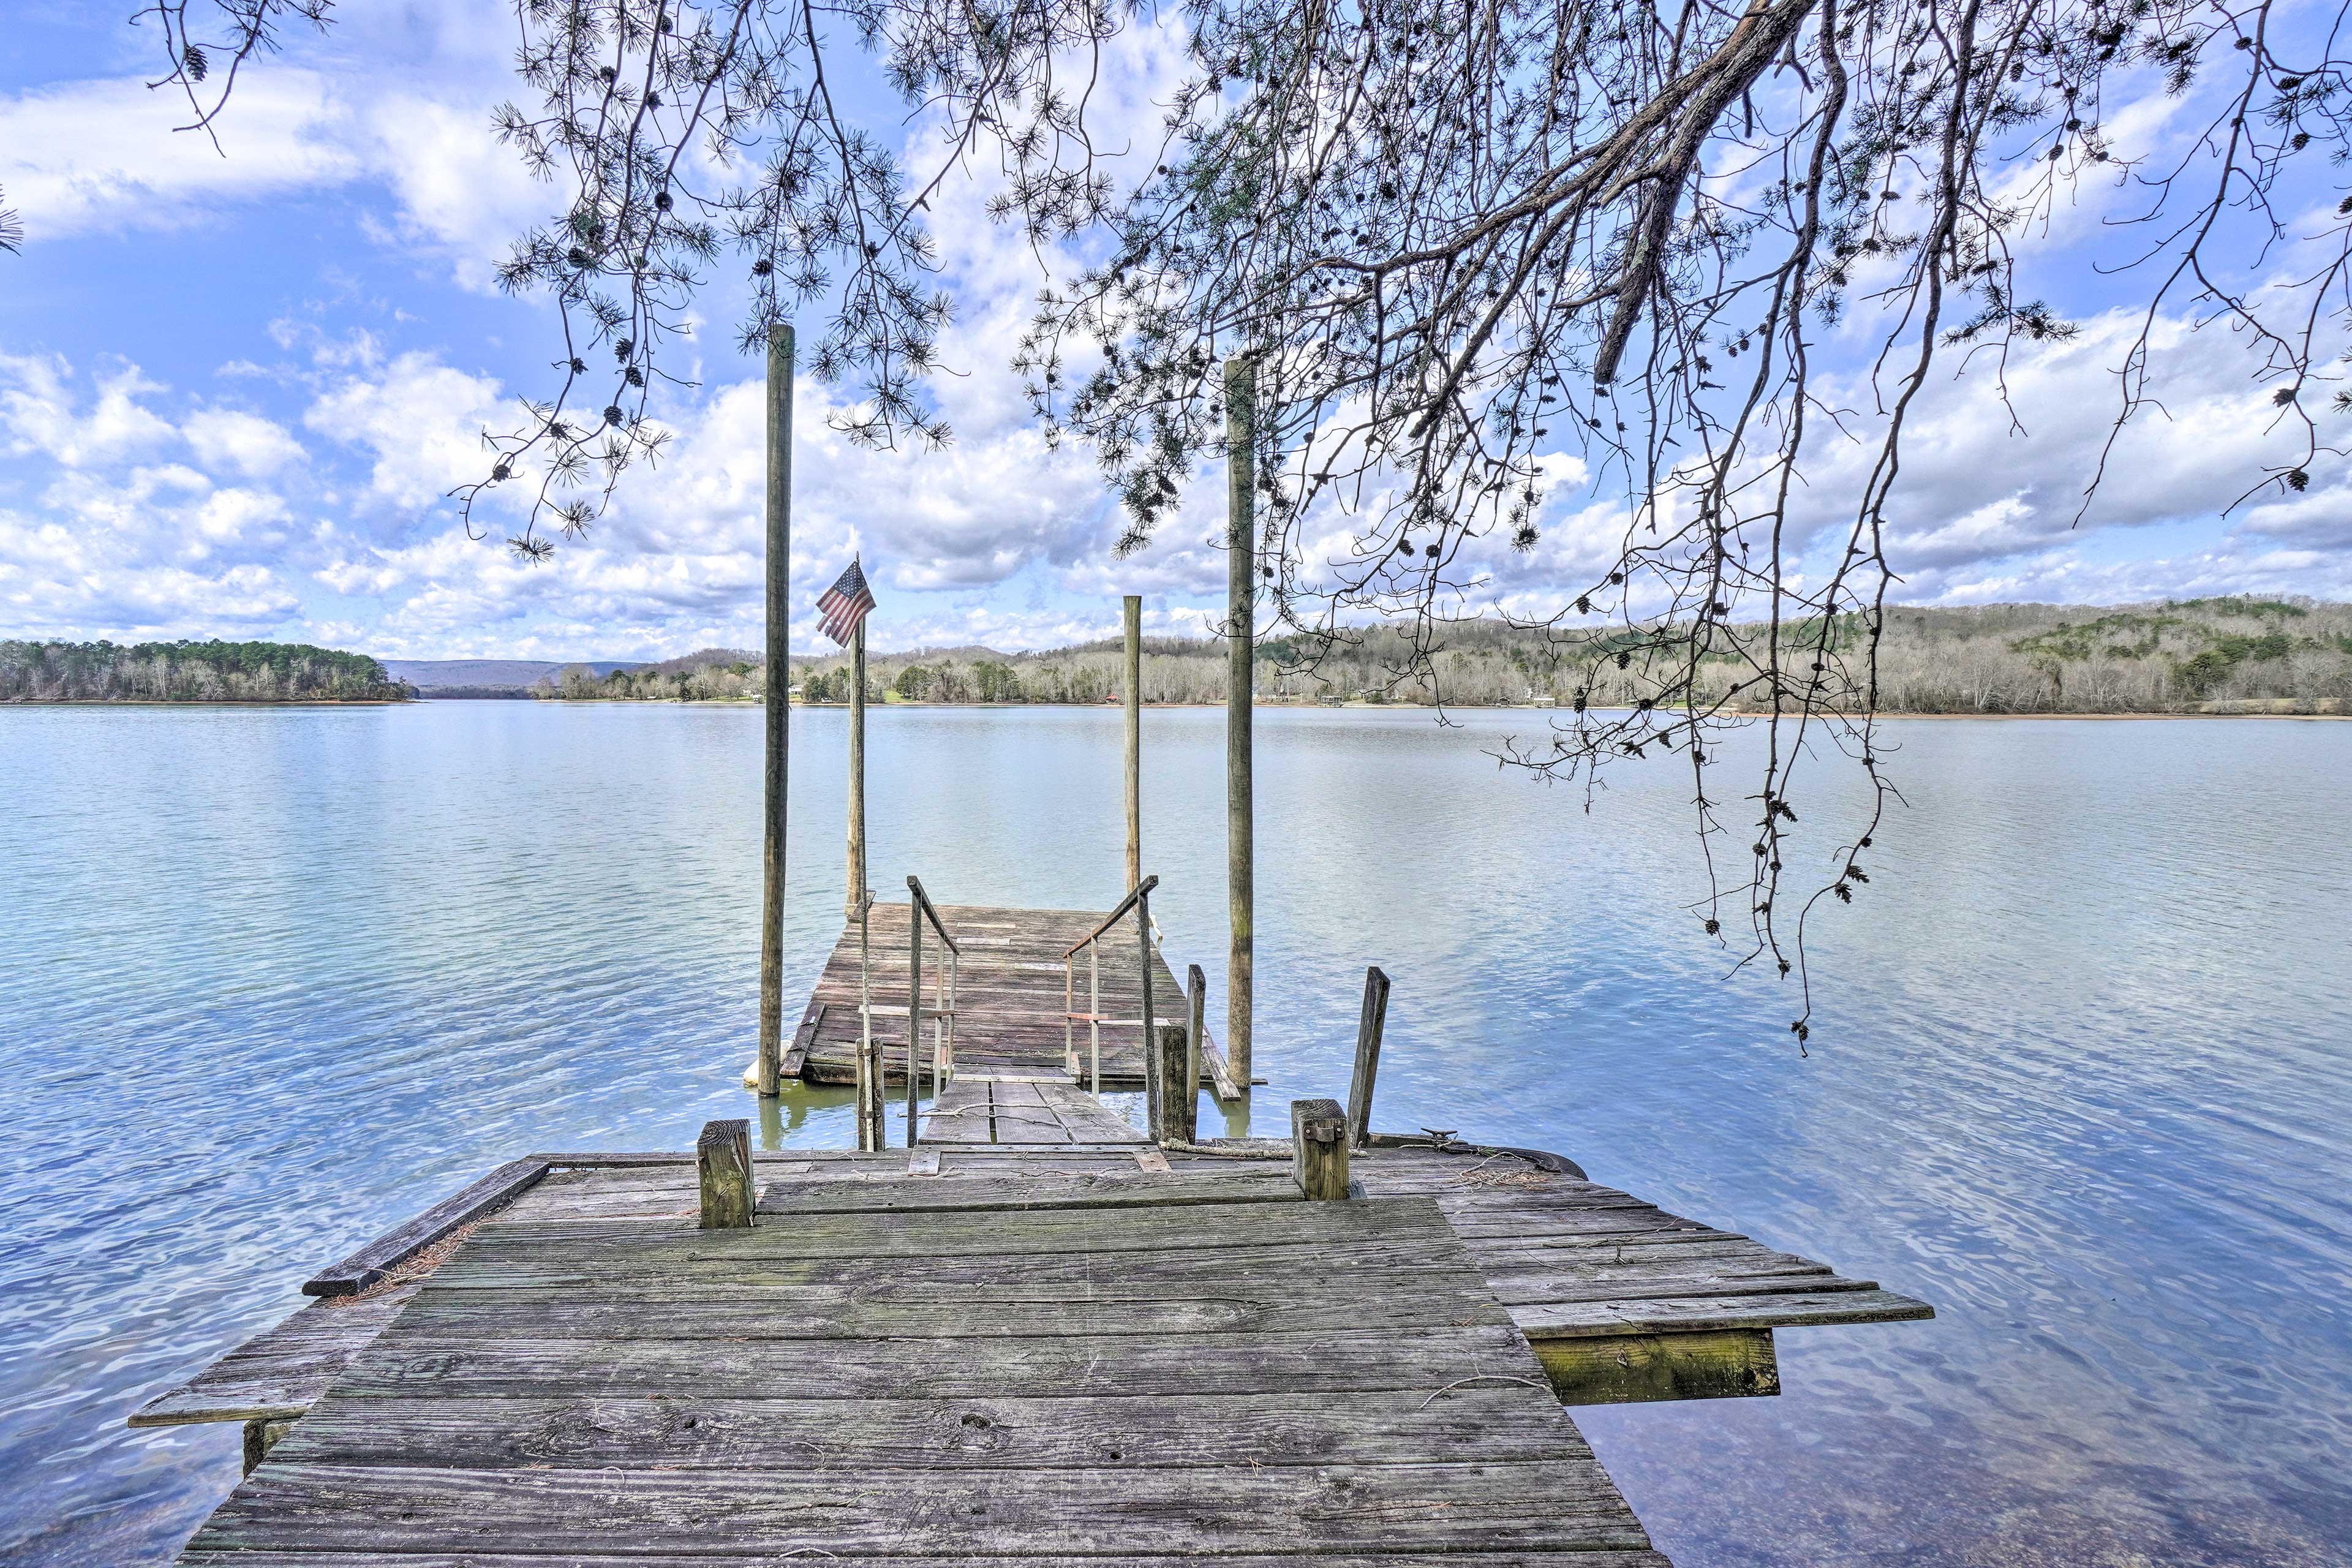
920	908
1138	899
1141	890
930	912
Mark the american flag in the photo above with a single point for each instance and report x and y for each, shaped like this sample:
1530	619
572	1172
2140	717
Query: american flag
845	605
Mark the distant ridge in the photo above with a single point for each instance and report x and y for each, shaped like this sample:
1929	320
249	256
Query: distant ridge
2225	654
489	675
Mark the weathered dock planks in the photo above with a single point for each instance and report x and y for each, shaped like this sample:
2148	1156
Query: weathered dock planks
1010	1000
908	1384
1031	1111
1621	1298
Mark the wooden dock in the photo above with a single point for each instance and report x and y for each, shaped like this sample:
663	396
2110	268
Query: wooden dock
1013	989
1039	1335
1086	1348
887	1372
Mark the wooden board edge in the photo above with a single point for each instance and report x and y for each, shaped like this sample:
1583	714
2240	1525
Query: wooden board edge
372	1262
796	1057
1849	1308
1219	1075
155	1413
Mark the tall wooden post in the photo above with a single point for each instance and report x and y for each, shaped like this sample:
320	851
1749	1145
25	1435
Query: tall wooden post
778	700
1133	607
1241	517
870	1136
857	767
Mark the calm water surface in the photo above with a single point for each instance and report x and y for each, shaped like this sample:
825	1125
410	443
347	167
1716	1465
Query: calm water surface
2081	1076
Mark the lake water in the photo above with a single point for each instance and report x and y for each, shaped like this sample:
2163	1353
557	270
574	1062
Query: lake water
2079	1075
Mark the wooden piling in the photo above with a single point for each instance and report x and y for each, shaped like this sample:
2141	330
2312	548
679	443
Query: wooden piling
722	1159
779	702
1369	1025
1241	522
1319	1148
1132	609
1177	1104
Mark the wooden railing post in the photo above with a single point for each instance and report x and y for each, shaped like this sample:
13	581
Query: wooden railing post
1319	1148
1368	1057
722	1158
1178	1099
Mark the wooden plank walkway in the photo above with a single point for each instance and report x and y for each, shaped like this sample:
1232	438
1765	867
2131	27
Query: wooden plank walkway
883	1371
1010	999
1037	1112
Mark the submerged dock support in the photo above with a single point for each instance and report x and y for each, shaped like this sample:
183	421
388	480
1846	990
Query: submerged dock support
1630	1369
779	698
1241	581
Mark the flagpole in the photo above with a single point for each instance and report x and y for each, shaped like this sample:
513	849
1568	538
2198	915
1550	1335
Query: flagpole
857	765
779	703
861	904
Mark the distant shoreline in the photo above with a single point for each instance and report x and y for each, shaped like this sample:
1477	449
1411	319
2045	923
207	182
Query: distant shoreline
1341	707
205	702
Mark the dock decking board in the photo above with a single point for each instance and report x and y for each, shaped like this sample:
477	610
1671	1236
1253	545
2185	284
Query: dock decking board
979	1109
518	1412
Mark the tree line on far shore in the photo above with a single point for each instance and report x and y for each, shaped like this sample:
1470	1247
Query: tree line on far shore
187	671
2179	656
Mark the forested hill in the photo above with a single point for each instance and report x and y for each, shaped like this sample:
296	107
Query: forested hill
2179	657
191	672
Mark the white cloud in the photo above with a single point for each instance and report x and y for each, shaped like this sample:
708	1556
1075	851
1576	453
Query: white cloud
421	420
462	192
45	416
246	442
1977	488
103	155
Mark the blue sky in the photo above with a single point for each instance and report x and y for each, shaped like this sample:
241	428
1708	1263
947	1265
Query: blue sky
233	390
